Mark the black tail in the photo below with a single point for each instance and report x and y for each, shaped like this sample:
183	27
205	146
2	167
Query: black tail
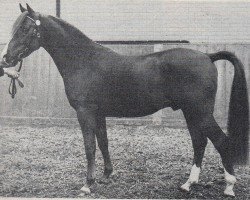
238	119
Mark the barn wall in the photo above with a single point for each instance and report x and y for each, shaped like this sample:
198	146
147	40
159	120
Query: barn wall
43	96
196	21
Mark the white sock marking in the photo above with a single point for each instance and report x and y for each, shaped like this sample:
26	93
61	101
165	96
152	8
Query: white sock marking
85	190
230	180
193	178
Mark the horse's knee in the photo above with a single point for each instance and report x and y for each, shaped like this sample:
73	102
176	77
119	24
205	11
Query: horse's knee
87	117
90	152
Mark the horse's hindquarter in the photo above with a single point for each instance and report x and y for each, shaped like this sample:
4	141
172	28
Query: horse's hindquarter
181	77
193	78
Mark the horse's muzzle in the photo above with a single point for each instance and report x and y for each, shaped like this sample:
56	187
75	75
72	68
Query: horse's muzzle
10	62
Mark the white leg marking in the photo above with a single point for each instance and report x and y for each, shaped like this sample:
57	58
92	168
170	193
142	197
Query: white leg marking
230	180
193	178
85	189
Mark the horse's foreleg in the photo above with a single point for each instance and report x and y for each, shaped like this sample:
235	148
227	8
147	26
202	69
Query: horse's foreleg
87	121
199	142
102	140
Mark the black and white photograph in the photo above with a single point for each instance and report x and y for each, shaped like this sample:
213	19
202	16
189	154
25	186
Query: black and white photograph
124	99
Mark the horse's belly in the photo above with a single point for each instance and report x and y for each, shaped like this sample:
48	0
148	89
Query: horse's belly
129	112
135	109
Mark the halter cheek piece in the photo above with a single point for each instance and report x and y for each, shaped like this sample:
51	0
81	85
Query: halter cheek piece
36	33
37	23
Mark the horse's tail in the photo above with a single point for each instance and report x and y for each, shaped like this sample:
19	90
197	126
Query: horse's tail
238	118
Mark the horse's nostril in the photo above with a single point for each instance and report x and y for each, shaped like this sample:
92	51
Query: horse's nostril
20	55
7	59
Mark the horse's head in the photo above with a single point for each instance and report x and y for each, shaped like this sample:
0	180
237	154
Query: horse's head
25	37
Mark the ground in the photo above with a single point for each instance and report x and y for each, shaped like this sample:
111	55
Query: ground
149	162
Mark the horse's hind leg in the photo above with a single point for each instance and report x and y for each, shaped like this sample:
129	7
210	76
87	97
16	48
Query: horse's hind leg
223	146
102	140
199	141
208	127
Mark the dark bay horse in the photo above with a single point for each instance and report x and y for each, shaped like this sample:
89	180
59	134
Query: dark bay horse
100	83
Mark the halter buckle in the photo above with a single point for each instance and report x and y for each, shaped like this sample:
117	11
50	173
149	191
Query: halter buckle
38	22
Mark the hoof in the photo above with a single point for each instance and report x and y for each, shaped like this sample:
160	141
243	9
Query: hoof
185	187
229	192
85	190
107	172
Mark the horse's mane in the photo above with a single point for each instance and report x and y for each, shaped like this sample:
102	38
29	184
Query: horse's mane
77	36
73	32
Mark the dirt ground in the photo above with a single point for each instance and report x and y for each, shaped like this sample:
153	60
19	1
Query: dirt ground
149	162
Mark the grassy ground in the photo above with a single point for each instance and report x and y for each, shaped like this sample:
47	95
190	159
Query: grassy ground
149	162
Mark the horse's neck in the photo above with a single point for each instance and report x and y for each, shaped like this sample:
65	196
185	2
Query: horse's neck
66	45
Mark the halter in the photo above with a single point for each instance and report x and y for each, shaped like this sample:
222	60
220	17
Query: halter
12	86
36	33
37	22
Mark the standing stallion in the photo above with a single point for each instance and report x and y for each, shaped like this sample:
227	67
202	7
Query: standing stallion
100	83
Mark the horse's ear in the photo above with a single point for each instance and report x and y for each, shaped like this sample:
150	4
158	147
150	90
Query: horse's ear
22	8
30	10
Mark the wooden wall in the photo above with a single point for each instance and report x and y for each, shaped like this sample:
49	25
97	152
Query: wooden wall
43	97
221	21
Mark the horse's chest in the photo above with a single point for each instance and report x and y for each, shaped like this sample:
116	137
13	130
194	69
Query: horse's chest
82	87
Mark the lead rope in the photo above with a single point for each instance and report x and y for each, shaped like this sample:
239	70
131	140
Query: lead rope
12	87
